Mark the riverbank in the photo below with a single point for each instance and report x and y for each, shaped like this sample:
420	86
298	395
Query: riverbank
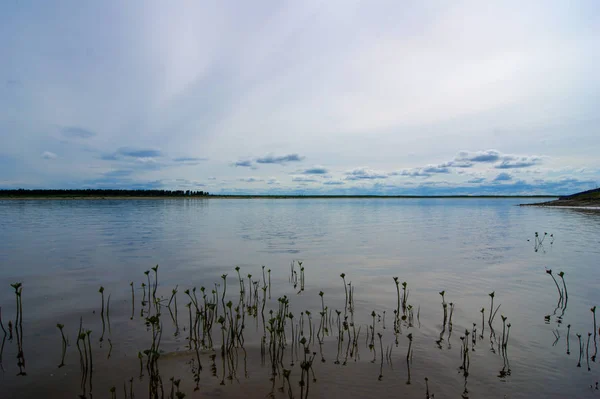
586	199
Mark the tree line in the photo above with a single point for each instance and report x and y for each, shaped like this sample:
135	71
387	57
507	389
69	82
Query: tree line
21	192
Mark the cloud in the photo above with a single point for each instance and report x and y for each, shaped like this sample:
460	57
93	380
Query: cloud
501	161
365	174
304	179
127	152
189	161
243	164
333	183
503	177
118	173
479	156
316	170
250	180
273	181
515	162
49	155
109	157
456	164
416	172
435	169
138	153
476	180
426	171
272	159
77	132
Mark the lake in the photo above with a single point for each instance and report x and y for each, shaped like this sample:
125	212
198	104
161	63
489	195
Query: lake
63	251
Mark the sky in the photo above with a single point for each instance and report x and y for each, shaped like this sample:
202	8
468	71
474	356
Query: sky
301	97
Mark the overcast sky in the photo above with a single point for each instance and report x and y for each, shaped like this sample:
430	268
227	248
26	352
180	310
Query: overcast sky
332	97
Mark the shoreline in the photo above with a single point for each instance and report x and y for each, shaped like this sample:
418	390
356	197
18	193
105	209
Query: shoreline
566	203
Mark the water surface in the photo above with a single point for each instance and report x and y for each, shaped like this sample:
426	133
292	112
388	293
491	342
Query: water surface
64	250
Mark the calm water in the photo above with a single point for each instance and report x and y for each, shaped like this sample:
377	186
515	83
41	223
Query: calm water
63	251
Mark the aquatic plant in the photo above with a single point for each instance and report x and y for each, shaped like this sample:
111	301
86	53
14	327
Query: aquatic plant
580	349
381	355
492	311
343	276
482	321
2	325
64	344
155	269
593	309
101	291
404	296
568	333
269	274
562	277
132	301
410	340
549	271
503	329
587	351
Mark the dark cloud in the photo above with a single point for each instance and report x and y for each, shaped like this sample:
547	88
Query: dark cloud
189	160
272	159
519	162
503	161
13	83
365	174
109	157
243	164
118	173
333	183
435	169
77	132
503	177
138	153
411	173
304	179
479	156
456	164
317	170
250	180
476	180
126	152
